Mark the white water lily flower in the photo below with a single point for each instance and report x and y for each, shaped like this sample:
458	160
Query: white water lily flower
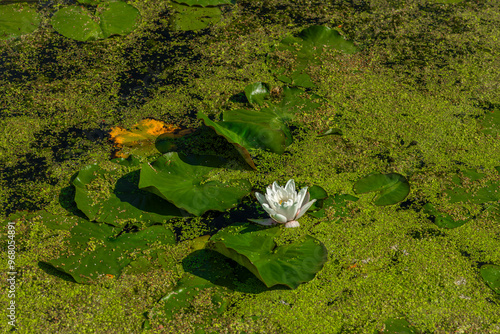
284	205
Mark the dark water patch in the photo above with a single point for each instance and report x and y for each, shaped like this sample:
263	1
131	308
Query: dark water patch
154	62
17	179
425	233
69	143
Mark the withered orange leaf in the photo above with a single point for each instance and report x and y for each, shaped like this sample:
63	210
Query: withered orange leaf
141	138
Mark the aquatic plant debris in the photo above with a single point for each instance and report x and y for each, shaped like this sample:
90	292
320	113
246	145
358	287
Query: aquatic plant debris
140	140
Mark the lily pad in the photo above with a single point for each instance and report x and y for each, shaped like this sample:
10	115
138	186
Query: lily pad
254	248
489	193
95	250
181	180
111	18
113	197
204	3
392	188
441	219
256	93
491	275
398	326
491	122
246	135
117	18
141	139
306	49
17	19
187	18
338	202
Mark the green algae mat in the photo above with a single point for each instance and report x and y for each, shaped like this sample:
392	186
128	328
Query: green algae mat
143	145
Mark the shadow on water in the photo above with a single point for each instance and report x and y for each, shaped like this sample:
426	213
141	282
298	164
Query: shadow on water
222	271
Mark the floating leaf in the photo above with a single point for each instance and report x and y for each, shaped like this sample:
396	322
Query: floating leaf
441	219
204	3
182	180
489	193
398	326
141	139
491	122
114	198
117	18
319	194
392	188
338	203
187	18
78	23
491	275
256	93
17	19
306	49
95	251
245	135
254	248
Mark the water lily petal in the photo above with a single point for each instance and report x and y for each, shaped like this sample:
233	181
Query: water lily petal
292	223
302	194
279	218
290	186
304	208
306	198
266	222
289	209
268	208
261	198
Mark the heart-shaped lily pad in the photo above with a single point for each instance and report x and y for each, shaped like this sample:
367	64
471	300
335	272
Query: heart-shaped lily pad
254	248
491	275
113	197
94	250
76	22
17	19
181	180
392	188
245	135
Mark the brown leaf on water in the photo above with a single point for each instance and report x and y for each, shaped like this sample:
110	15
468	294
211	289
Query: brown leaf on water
140	140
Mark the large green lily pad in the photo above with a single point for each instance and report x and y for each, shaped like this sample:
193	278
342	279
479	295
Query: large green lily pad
17	19
245	135
113	197
76	22
491	275
392	188
95	251
181	180
187	18
254	248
